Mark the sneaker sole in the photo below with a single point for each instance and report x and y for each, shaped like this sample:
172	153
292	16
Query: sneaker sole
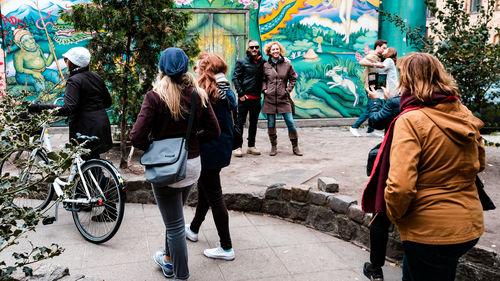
192	240
219	258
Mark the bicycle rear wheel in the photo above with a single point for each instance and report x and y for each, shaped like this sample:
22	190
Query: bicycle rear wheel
37	197
99	220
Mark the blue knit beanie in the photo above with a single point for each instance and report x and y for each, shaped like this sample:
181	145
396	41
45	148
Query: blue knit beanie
173	61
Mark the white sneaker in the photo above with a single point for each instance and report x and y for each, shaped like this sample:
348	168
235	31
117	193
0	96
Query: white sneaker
374	134
253	150
190	235
237	152
219	253
354	132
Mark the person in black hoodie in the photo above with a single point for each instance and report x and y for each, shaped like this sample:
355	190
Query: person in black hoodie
247	80
85	102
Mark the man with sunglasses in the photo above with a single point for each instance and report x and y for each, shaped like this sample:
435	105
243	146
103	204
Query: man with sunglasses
247	80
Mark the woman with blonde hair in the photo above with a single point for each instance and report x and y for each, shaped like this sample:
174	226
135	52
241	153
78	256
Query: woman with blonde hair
278	82
215	155
435	151
164	114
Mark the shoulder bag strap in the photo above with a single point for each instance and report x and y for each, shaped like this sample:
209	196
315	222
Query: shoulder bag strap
191	115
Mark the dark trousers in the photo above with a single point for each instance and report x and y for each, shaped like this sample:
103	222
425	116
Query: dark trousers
434	262
170	201
210	195
244	108
363	117
379	234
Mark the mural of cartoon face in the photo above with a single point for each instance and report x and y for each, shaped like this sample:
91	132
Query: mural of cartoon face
28	43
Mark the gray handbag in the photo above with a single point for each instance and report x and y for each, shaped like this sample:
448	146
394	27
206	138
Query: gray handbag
166	159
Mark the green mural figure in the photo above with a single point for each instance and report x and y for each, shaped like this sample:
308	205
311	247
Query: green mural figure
30	62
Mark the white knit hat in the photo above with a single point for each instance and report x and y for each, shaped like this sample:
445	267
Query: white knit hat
79	56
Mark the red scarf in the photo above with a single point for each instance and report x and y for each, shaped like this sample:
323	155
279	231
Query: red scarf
373	200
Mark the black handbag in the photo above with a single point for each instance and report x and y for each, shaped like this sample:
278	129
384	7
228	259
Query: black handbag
483	197
166	159
371	159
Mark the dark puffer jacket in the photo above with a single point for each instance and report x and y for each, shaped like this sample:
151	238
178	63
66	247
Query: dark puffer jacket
216	154
247	76
381	115
85	102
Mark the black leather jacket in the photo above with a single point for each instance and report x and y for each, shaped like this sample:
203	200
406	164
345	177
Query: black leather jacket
247	76
381	115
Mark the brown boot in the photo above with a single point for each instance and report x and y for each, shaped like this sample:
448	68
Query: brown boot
274	141
295	143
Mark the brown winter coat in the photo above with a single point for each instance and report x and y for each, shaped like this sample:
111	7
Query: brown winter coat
436	153
278	83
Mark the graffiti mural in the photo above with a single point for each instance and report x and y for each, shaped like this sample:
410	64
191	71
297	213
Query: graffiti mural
34	39
324	40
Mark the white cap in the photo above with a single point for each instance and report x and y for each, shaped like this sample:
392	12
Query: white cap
79	56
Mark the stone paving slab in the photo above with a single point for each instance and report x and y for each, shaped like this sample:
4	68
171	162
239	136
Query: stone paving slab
266	249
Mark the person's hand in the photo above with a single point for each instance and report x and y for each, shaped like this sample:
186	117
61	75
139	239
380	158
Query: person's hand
372	93
378	65
265	91
243	98
387	93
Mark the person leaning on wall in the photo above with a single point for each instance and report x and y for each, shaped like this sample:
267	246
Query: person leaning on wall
278	82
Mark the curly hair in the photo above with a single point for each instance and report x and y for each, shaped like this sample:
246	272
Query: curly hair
209	65
422	74
268	46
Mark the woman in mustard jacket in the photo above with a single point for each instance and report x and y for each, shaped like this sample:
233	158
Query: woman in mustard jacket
435	155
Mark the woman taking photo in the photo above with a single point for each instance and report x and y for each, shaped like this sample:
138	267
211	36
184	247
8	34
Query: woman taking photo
164	114
435	155
215	155
278	82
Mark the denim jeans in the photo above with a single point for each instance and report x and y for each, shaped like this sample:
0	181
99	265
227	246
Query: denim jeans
271	121
170	202
246	107
210	196
434	262
363	117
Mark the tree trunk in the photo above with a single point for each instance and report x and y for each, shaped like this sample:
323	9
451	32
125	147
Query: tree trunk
123	138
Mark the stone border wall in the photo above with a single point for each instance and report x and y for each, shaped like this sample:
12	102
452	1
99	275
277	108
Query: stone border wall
334	214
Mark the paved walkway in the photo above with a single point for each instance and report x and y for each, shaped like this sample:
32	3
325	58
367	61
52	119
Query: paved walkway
266	249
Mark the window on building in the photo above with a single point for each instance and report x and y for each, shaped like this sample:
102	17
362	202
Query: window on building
430	14
475	6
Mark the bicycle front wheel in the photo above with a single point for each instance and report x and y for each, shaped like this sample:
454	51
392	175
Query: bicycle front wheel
36	197
99	220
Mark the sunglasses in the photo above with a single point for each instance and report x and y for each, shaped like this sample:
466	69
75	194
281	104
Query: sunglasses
253	47
195	68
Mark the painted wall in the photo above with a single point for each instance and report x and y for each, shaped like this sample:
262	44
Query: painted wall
323	39
34	40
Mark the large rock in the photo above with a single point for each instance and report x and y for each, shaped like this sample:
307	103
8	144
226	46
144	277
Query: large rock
246	202
322	218
298	210
340	203
274	191
319	198
356	214
299	193
328	184
275	207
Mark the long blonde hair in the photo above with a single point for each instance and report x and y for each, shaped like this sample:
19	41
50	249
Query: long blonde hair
423	74
169	91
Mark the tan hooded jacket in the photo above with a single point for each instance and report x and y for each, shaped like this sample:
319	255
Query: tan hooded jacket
431	196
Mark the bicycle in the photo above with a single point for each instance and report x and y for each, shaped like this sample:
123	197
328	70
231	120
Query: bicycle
96	200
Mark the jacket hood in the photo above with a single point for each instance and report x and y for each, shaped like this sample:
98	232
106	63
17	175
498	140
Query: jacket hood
455	121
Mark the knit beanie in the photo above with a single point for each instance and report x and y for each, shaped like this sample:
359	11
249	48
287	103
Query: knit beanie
173	61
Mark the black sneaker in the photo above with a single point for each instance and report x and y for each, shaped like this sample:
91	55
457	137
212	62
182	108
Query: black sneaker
373	273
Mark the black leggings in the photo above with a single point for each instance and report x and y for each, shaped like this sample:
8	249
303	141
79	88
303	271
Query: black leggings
210	195
379	234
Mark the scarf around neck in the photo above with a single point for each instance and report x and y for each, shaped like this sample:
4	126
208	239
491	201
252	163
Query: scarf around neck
372	200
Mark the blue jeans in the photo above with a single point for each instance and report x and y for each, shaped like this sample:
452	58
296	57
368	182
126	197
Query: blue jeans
27	79
363	117
271	121
170	202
